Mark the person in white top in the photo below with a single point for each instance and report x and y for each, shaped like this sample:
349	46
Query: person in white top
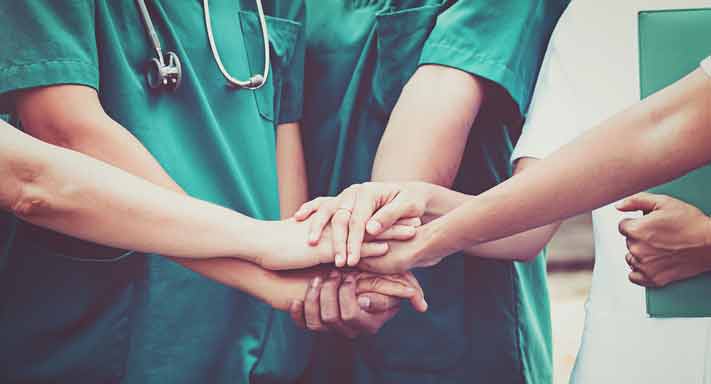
590	73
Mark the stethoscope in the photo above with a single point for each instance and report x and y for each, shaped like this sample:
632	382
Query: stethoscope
165	71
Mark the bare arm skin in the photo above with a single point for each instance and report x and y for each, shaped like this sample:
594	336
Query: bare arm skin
662	137
89	130
291	168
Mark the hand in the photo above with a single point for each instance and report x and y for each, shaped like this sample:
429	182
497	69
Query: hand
404	256
287	248
671	242
364	211
354	302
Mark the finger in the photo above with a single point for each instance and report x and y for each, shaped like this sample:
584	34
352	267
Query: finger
375	302
645	202
639	279
296	311
632	262
375	249
348	303
629	228
329	299
418	301
308	208
385	286
411	221
339	230
398	232
389	214
312	310
362	211
642	251
330	311
320	219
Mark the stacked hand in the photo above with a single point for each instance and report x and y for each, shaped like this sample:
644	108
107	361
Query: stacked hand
371	227
671	242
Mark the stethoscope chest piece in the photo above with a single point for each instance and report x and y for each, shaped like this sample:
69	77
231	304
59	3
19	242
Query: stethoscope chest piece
160	74
167	74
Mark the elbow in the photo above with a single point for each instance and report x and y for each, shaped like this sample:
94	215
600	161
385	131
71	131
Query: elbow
35	197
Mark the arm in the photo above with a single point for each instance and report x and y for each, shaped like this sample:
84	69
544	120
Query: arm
291	168
50	186
86	128
670	132
441	102
522	246
445	101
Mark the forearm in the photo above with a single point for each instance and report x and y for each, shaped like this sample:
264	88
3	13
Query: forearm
60	189
277	289
522	246
655	141
291	169
435	110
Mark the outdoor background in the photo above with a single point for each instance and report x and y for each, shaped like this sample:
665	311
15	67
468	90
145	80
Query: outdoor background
570	261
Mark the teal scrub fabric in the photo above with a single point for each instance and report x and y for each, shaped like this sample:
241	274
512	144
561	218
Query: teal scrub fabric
74	312
488	320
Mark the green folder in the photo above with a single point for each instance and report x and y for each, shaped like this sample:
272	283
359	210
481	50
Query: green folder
671	45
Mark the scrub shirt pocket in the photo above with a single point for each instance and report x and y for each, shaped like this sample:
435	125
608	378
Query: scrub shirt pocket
283	36
400	37
62	318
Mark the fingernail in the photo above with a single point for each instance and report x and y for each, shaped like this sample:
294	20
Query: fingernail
364	302
315	282
299	213
313	237
373	227
349	279
340	259
410	290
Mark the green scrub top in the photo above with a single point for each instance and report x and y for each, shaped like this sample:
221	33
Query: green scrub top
488	320
73	312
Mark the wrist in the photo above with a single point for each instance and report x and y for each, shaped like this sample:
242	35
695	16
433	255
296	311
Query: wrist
431	244
262	249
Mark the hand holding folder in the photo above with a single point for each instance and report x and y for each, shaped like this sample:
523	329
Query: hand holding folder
671	45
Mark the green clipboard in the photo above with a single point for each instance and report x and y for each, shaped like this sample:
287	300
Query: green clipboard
671	45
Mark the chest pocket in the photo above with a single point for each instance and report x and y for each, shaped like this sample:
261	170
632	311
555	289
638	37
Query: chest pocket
400	37
283	37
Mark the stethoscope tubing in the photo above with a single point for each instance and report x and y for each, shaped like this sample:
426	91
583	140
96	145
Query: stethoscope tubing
168	74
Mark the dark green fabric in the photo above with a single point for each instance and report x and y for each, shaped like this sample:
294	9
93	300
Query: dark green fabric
142	319
488	320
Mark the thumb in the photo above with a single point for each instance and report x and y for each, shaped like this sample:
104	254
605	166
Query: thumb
389	214
645	202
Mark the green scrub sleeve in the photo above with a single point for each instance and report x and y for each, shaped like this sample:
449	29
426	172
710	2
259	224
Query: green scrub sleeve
499	40
46	43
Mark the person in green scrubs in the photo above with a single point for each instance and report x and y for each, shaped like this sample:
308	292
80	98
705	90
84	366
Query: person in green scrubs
438	90
72	74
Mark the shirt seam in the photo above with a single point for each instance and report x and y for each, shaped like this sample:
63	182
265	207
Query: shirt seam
41	62
484	58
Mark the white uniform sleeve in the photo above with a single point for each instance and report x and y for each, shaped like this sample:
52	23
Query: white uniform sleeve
551	121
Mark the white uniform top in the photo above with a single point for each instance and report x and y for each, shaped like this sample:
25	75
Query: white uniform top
589	73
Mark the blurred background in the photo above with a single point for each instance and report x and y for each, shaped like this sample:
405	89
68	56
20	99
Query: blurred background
570	261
